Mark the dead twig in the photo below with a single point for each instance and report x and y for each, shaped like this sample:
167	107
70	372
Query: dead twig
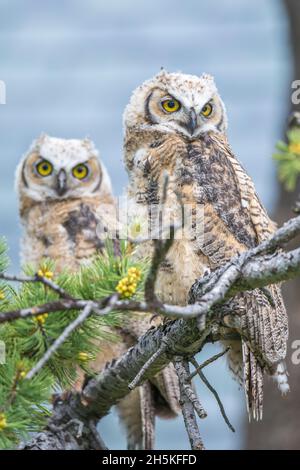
136	381
207	362
213	391
188	408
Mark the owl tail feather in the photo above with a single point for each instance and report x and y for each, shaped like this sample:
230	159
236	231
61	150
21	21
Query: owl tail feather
253	383
167	394
147	415
158	396
280	376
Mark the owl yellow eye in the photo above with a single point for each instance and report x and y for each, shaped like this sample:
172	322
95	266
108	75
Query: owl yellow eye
206	110
44	168
80	171
171	105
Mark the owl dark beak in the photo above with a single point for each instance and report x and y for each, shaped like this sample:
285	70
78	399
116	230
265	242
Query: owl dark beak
192	122
61	183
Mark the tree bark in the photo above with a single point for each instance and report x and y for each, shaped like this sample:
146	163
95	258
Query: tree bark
72	424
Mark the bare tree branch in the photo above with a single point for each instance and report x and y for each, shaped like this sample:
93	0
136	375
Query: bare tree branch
60	340
161	248
258	267
213	391
207	362
136	381
187	405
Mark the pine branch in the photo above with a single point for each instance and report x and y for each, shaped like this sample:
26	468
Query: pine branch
256	273
47	282
86	312
258	267
60	340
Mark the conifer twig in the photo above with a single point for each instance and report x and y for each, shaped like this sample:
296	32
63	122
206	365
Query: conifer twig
207	362
98	439
47	282
60	340
48	307
136	381
161	248
86	312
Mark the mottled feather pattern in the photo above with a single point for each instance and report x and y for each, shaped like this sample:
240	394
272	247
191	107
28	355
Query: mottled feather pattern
203	170
65	231
70	229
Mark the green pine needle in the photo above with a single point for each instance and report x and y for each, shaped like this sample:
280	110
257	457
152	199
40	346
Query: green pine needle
24	404
288	160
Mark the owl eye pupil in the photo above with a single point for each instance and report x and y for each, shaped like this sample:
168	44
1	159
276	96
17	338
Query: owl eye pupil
170	105
44	168
80	171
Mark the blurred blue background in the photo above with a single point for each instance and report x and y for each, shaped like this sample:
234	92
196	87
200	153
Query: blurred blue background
69	69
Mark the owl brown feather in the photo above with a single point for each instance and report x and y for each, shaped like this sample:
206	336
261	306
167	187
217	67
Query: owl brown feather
205	172
70	230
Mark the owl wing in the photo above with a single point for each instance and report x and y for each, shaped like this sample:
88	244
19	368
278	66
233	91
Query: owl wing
269	317
241	222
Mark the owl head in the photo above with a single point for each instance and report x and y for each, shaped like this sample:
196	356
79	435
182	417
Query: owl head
57	169
177	103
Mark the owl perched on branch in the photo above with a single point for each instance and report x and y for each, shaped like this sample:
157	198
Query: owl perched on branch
176	124
66	208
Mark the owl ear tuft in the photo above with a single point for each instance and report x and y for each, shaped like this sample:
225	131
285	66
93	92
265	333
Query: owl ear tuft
87	142
208	77
42	137
39	141
162	73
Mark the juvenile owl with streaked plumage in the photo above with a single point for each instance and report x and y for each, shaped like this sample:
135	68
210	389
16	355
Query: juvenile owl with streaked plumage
65	201
67	208
175	124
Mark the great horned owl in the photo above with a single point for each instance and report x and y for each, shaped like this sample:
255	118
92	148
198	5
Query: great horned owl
176	124
64	196
66	203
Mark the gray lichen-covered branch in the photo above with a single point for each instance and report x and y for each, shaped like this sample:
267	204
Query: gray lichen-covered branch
181	337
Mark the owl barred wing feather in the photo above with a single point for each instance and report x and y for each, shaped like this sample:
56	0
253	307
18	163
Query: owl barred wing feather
167	384
264	319
232	225
253	383
263	344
